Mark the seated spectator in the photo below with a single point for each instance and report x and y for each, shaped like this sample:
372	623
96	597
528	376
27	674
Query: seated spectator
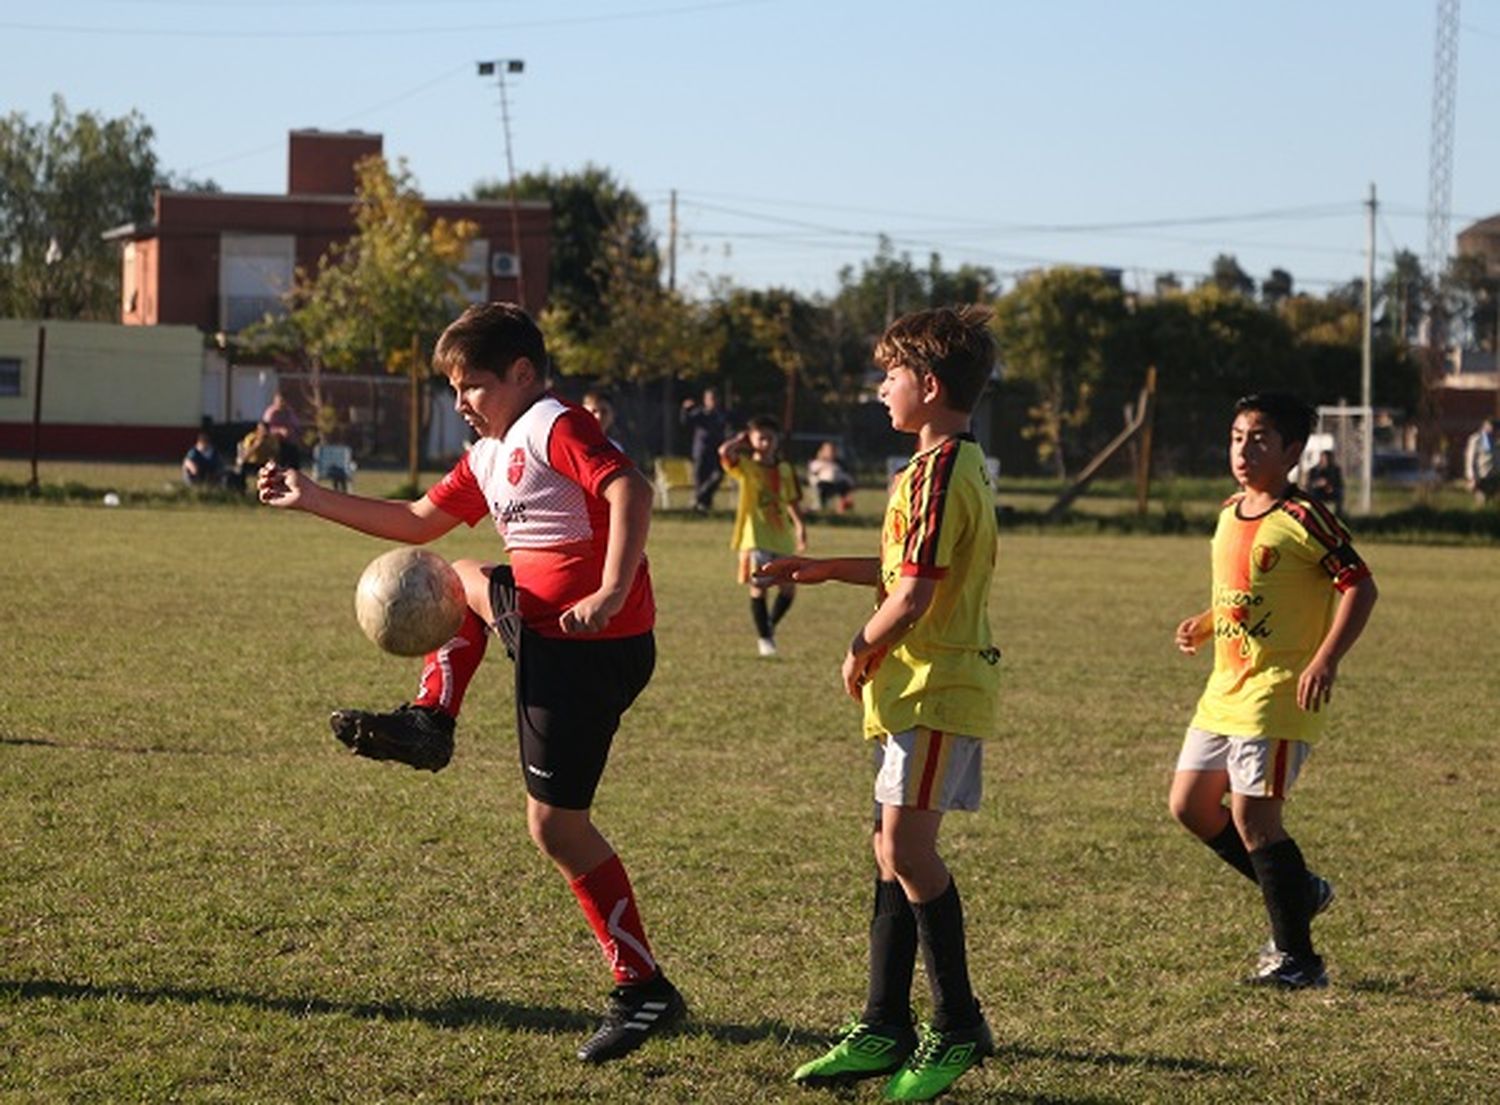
827	475
255	449
1325	482
202	465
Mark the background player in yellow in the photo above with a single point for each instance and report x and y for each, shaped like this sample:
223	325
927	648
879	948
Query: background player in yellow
768	519
1290	597
924	667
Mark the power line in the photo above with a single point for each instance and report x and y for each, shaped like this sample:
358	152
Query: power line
348	32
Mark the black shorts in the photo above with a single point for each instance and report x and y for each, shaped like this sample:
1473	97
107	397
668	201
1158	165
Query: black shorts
570	695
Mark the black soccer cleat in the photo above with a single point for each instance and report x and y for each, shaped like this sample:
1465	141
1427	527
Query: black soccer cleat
633	1014
1290	972
419	736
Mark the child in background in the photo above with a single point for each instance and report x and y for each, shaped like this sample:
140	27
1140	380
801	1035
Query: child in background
768	520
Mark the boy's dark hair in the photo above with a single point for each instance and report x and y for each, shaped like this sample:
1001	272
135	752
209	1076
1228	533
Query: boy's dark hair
1289	416
490	336
952	343
765	423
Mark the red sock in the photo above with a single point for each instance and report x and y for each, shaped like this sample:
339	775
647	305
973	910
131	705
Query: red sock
446	672
609	904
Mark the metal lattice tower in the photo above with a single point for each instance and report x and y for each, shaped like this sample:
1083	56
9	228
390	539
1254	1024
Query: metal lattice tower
1440	156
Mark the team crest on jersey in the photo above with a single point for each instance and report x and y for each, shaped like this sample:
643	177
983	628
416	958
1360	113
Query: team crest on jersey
517	466
1265	557
895	528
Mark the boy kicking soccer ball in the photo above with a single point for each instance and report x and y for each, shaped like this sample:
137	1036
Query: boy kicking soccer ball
1290	597
924	667
574	607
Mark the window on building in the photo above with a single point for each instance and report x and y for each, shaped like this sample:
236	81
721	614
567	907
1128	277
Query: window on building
255	271
474	272
10	376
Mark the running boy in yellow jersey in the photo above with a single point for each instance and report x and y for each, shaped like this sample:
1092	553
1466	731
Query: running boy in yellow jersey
768	520
924	667
1290	597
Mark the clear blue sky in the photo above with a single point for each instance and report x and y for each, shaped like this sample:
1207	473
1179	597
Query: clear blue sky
1003	133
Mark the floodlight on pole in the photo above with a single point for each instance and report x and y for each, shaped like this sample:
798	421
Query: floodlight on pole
498	68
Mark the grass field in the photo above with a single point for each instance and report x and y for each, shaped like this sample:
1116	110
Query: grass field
206	900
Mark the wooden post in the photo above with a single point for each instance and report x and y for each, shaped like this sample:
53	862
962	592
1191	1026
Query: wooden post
1147	410
414	451
36	407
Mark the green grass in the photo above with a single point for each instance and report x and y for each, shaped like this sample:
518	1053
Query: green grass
206	900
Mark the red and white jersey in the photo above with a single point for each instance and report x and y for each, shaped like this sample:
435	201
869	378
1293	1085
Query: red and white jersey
540	484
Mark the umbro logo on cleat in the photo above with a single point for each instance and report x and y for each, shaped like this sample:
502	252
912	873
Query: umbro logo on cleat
961	1054
873	1046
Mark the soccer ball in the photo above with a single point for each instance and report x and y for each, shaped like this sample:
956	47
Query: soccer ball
409	601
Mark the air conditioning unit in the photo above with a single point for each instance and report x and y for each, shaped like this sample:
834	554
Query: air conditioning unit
505	264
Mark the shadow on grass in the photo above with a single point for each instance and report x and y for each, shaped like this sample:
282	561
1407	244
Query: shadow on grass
459	1012
125	749
1170	1063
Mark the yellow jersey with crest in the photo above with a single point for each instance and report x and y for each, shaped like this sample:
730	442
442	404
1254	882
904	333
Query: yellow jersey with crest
1275	580
940	524
761	520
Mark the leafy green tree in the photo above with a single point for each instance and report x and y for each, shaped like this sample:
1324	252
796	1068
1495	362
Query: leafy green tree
1059	329
62	184
637	331
1473	291
1276	288
889	284
397	278
1226	275
1403	298
599	228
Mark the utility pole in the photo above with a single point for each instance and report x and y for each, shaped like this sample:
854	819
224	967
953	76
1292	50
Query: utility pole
672	245
497	69
1366	361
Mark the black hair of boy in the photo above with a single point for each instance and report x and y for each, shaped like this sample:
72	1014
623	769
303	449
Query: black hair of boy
1288	415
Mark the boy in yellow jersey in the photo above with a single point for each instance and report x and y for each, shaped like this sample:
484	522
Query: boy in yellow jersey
924	667
1290	597
768	520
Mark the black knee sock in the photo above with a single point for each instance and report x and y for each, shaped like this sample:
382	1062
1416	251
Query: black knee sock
940	930
893	956
779	608
1231	849
1282	874
762	618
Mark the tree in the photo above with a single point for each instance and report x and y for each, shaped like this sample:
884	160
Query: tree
888	285
636	330
1473	291
67	181
1057	329
592	214
1226	275
1276	288
396	279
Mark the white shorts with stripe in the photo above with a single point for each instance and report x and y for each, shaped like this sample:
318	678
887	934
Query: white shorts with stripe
1258	767
926	769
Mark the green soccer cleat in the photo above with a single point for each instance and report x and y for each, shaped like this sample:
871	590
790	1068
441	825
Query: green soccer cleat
938	1061
866	1050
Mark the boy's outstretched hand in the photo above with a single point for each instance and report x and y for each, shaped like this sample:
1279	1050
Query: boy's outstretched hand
792	569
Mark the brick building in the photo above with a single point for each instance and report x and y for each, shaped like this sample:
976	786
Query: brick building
219	261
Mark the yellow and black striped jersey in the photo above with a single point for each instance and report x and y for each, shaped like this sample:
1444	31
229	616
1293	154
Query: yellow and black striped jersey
940	523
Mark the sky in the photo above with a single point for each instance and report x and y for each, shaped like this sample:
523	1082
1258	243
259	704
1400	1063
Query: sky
1147	136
